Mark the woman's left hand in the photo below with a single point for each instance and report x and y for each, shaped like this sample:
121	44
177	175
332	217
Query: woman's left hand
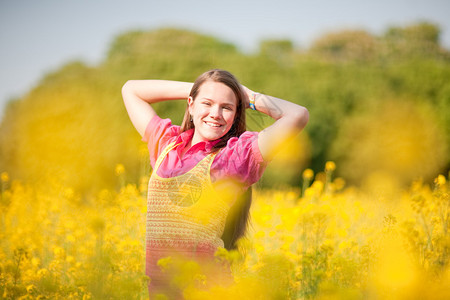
247	93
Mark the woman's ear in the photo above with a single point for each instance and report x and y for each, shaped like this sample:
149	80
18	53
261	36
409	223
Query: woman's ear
190	101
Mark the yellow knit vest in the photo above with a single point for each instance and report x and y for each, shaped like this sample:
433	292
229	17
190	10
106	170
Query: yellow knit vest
185	212
185	217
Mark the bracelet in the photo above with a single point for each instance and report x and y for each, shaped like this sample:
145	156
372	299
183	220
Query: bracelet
252	101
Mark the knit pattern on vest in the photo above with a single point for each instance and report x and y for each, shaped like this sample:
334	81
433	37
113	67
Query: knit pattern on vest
185	216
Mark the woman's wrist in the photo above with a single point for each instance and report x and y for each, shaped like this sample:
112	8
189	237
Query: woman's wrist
252	100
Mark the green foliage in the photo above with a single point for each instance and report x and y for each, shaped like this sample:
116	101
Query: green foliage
354	45
73	126
417	40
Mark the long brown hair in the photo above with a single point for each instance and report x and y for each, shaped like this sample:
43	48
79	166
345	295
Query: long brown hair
239	214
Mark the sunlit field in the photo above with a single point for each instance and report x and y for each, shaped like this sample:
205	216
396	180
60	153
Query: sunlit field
319	241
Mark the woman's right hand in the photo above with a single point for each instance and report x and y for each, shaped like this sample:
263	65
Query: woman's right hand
139	94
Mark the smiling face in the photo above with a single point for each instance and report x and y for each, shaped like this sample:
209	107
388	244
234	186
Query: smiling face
212	111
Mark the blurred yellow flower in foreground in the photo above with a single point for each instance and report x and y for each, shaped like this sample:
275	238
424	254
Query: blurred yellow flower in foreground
4	177
330	166
394	270
308	174
119	170
440	180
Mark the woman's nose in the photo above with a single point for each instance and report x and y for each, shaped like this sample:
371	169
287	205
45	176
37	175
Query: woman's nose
215	112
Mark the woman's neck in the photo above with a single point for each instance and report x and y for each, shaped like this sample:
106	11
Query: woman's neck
194	140
186	148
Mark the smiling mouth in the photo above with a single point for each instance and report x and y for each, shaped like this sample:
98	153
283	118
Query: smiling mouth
214	125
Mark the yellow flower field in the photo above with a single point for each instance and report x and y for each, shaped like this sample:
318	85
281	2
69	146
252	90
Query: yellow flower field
323	241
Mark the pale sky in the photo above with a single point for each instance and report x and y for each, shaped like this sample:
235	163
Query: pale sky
39	36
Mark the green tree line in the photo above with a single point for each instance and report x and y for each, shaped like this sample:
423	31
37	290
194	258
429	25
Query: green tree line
378	103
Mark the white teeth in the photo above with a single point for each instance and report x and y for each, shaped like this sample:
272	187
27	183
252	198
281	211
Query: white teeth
213	124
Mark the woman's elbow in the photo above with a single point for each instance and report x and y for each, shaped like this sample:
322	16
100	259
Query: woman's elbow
301	117
128	91
126	87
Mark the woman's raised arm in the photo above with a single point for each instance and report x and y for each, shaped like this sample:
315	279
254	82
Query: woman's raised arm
290	119
139	94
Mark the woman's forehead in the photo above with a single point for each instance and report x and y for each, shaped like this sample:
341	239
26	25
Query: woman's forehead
216	91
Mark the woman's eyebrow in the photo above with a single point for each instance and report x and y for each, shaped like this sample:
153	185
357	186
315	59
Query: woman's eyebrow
226	102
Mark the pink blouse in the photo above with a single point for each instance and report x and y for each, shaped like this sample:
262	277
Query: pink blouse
240	158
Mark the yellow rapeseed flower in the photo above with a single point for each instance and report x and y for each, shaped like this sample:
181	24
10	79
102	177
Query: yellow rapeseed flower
42	272
70	238
339	183
330	166
318	186
342	232
440	180
164	262
4	177
58	252
35	261
69	193
343	245
30	288
259	248
87	296
309	192
308	174
119	170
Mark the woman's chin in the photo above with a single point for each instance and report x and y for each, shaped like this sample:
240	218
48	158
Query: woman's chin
212	134
213	137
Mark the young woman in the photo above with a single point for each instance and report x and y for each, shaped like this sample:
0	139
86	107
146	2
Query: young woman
201	168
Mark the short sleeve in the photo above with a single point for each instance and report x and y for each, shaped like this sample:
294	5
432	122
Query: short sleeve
241	159
158	134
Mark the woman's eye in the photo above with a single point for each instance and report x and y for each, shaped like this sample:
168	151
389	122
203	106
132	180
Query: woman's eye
207	103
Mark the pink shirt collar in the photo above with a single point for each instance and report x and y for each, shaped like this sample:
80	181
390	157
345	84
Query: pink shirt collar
185	137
